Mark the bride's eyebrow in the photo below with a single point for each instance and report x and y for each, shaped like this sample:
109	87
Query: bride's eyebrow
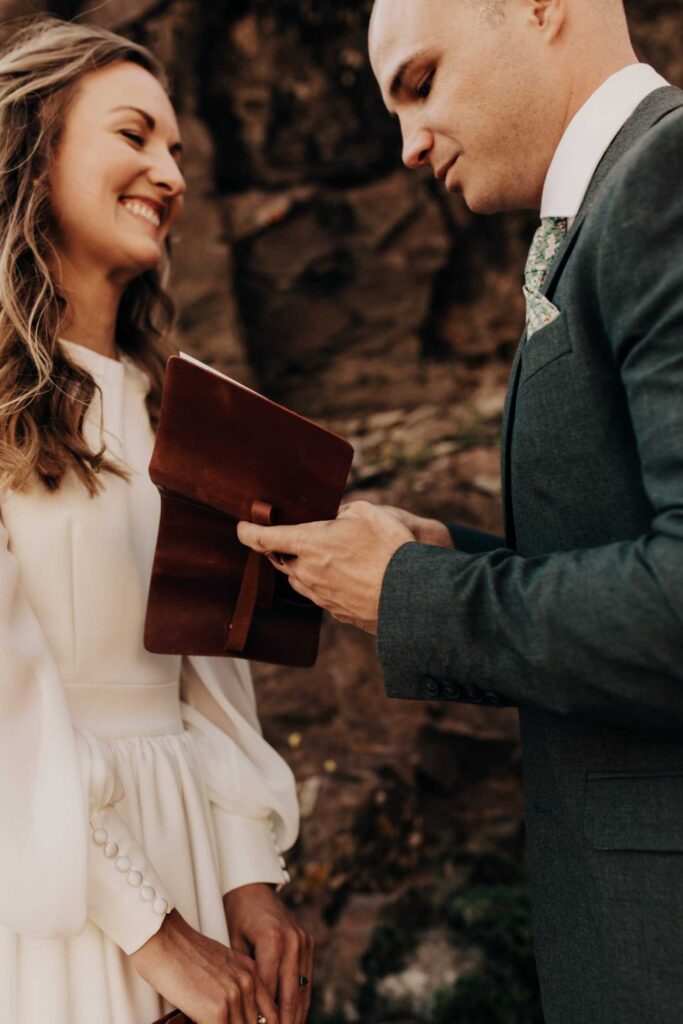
176	149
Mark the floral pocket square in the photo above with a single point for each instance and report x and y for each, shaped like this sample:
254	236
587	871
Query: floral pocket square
540	311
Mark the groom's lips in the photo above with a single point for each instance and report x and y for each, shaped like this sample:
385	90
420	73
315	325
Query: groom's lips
442	173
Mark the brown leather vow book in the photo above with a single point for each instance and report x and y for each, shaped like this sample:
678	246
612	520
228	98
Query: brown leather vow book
225	453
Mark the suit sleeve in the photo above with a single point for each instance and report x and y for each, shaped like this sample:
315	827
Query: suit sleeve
595	632
65	852
473	541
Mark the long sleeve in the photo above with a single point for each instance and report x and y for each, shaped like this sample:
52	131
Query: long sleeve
251	789
65	852
597	631
473	541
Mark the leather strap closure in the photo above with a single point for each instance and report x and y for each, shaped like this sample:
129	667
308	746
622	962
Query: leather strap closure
258	584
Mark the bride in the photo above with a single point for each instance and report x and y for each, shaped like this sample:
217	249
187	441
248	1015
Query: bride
142	814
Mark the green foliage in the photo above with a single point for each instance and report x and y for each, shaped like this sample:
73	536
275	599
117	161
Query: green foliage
317	1017
485	999
494	867
494	917
388	950
497	920
487	911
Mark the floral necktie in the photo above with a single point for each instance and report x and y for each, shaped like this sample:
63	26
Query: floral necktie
549	235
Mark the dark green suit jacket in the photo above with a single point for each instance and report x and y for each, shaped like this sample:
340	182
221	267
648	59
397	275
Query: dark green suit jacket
577	618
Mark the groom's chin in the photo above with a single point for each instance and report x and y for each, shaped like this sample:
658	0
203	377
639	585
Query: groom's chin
482	196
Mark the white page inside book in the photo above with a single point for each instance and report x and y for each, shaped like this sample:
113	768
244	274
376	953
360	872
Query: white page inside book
211	369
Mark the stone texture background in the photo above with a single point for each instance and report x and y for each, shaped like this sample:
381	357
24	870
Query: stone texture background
311	265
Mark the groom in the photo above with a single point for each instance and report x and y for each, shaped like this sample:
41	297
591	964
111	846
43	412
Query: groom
576	617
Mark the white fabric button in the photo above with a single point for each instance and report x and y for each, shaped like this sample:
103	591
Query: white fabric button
99	836
286	875
147	892
161	906
283	862
135	878
111	849
123	863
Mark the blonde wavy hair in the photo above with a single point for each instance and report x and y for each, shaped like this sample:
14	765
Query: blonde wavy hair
43	395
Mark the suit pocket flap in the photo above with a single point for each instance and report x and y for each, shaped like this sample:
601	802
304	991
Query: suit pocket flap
544	346
634	811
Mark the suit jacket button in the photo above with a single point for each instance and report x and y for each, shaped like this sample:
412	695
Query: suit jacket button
452	690
475	695
432	687
493	698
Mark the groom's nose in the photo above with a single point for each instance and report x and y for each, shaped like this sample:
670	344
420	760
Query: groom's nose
418	144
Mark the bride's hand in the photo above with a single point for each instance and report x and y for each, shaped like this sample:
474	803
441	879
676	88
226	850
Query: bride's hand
209	982
259	922
425	531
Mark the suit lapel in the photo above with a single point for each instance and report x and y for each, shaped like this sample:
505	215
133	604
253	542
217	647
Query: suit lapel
645	116
506	433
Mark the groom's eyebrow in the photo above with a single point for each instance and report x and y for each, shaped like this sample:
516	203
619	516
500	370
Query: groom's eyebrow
402	70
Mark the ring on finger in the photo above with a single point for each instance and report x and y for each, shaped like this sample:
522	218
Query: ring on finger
261	1019
303	981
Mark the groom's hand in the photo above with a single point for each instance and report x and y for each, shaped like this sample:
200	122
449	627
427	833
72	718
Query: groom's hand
338	564
424	531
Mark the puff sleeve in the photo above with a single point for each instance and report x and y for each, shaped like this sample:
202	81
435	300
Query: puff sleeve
251	789
65	852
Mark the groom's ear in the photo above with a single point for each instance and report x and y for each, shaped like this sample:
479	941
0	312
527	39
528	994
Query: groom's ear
547	17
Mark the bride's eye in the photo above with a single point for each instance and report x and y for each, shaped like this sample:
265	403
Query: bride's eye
133	136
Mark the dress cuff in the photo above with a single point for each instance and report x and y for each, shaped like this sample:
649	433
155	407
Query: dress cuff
126	897
247	851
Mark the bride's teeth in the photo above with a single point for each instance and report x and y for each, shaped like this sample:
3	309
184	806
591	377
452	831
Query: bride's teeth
144	211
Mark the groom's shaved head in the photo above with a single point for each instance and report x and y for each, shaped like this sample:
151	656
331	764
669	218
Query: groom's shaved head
484	89
492	11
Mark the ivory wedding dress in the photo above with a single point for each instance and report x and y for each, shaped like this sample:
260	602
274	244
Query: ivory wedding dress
130	783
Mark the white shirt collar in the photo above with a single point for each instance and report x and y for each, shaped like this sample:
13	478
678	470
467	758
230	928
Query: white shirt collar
105	367
589	134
